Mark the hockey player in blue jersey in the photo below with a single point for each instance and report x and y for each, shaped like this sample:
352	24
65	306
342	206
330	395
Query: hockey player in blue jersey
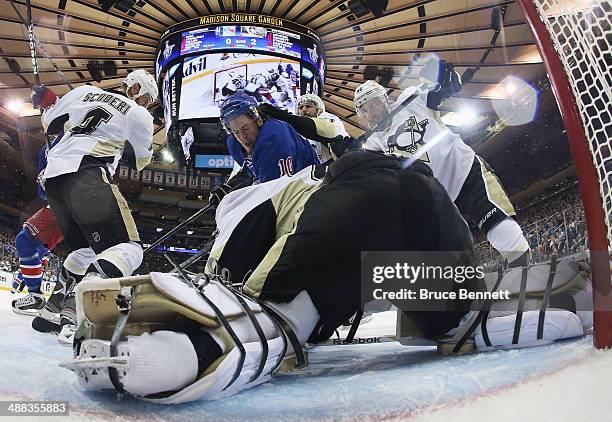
264	149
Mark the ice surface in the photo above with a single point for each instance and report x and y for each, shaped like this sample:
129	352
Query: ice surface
365	382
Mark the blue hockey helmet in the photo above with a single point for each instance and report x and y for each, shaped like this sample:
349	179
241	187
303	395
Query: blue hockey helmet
236	105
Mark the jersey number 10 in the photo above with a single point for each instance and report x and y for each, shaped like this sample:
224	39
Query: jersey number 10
286	166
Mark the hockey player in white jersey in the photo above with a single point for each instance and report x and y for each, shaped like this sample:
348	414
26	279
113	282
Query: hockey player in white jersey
311	105
90	210
417	131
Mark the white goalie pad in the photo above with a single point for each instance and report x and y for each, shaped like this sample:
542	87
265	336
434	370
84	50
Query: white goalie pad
571	280
173	287
558	325
210	387
571	273
159	301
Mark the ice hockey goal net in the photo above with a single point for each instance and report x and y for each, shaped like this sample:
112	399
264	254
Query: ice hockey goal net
574	40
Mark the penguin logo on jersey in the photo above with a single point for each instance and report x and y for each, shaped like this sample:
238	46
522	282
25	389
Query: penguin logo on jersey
408	137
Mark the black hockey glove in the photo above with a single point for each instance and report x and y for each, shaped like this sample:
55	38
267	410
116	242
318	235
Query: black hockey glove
305	126
448	82
339	144
269	111
217	194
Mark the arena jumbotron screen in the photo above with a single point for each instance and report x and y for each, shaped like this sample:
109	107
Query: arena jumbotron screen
202	61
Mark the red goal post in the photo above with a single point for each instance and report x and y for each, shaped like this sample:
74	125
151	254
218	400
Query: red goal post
573	37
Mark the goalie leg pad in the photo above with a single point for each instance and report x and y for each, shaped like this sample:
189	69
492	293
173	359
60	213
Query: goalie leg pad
558	324
160	301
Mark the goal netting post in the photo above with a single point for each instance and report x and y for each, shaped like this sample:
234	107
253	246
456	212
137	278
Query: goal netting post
574	39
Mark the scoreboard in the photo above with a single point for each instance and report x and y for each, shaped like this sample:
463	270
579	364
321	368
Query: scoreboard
240	32
241	37
202	61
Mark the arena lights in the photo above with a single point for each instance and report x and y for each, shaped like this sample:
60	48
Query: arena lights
465	117
159	230
517	103
190	232
15	106
509	86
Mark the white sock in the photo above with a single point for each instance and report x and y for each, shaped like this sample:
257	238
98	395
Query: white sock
158	362
507	238
300	313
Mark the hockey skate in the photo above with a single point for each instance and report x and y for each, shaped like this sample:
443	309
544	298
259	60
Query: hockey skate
67	321
48	319
29	304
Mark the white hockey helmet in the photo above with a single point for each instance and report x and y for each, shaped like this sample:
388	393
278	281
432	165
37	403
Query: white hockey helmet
146	82
311	99
368	91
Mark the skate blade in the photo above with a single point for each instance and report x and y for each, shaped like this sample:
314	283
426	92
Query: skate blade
52	317
28	312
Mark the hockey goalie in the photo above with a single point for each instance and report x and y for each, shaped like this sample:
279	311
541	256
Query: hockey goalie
285	270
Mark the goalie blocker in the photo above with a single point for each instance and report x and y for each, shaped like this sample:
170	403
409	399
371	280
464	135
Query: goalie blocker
169	339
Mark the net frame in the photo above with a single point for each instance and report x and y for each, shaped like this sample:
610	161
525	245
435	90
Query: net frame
568	33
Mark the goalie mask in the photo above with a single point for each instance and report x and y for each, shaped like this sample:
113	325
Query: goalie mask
146	82
313	100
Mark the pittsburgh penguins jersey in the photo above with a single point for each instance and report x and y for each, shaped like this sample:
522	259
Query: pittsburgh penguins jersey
324	152
96	123
418	131
273	207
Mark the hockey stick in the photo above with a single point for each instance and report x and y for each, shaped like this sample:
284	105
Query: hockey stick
30	26
194	217
33	39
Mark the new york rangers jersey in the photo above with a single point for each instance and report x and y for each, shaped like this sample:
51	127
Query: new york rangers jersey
278	151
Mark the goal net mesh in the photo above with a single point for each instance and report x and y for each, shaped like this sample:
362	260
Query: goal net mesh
581	34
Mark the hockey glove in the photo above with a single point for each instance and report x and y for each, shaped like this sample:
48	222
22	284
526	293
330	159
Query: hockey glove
448	82
42	97
217	194
269	111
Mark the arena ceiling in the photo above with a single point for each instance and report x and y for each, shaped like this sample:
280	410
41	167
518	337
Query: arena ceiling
488	35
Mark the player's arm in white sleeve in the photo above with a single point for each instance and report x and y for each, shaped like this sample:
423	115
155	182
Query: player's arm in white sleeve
54	118
140	137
